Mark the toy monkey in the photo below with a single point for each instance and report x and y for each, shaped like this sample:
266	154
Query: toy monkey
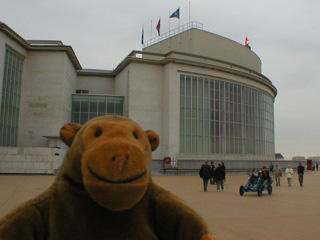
104	191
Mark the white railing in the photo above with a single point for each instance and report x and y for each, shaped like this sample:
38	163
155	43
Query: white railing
173	32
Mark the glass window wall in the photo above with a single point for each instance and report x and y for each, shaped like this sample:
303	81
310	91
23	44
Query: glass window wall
86	107
10	100
224	118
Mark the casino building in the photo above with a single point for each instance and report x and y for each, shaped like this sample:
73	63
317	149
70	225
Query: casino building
205	95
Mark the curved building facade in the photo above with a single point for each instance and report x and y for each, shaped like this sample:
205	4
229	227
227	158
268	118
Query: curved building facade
220	106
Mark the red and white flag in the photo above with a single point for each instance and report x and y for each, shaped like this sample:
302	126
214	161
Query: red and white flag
158	27
246	41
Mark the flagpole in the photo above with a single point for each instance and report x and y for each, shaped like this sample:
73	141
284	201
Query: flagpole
179	17
151	31
160	26
189	19
179	27
169	32
159	34
169	22
189	11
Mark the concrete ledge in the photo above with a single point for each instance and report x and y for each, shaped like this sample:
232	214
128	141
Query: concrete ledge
30	160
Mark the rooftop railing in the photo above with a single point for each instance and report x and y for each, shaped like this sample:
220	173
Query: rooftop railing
173	32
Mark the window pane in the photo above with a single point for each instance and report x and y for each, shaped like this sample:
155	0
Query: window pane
119	108
83	118
102	107
84	105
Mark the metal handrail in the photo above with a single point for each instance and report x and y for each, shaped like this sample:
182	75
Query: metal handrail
173	32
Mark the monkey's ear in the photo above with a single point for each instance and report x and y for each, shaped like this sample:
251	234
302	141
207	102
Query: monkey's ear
153	139
68	132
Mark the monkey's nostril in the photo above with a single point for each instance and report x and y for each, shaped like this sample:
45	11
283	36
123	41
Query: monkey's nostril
113	158
127	157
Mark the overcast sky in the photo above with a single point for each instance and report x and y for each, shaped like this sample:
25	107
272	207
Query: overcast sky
285	34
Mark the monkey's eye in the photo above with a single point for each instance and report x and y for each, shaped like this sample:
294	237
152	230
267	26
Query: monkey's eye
135	135
98	132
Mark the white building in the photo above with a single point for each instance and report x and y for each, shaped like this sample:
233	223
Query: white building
202	93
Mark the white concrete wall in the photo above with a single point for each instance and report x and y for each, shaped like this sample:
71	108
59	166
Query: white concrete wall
145	97
96	84
122	88
171	110
69	86
46	97
210	45
30	160
5	40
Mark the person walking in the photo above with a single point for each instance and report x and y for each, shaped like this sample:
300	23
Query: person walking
277	174
212	178
220	175
300	174
205	173
224	169
289	172
271	168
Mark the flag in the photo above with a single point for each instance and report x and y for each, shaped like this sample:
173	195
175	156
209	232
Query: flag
158	27
142	35
246	41
176	14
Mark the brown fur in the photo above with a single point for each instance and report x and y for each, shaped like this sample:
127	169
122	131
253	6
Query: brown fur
104	190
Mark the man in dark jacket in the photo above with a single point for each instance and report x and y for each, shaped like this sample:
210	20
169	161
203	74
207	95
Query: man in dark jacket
220	175
300	174
205	173
224	169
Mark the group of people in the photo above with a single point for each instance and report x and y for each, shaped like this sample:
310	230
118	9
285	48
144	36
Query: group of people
218	175
289	173
215	175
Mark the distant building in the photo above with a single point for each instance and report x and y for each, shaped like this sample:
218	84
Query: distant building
204	94
315	159
279	156
298	158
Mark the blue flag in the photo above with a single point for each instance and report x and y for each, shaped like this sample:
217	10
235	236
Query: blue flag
176	14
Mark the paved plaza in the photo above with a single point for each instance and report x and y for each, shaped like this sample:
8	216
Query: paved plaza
289	213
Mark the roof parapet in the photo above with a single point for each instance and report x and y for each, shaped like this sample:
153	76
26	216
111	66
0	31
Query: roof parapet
45	42
41	45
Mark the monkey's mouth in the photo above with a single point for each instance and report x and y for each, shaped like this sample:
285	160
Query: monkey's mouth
116	182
